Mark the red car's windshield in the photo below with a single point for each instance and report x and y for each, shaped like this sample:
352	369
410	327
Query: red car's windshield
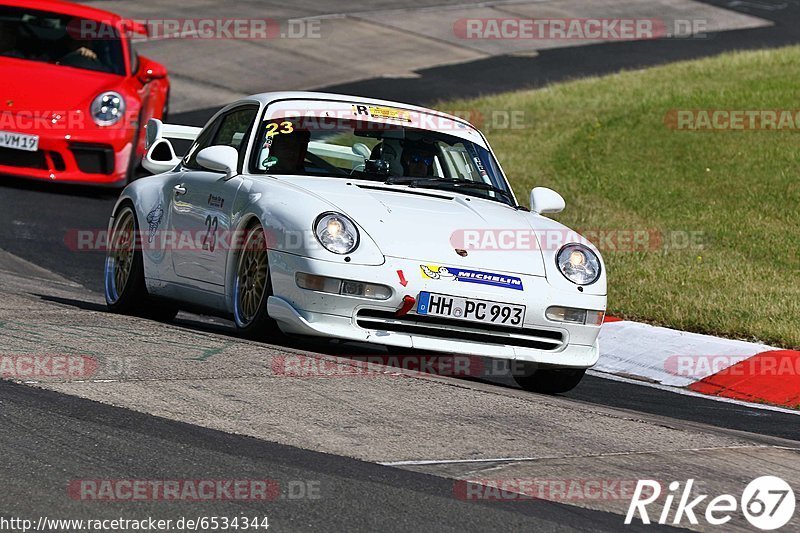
60	39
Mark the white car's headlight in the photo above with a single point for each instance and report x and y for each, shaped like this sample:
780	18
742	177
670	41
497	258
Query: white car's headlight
579	264
336	233
108	108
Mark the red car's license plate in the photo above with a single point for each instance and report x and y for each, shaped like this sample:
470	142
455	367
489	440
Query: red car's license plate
19	141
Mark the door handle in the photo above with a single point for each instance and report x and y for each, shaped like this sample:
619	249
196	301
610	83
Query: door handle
179	189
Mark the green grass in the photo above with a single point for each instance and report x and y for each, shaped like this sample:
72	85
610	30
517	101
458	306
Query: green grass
603	144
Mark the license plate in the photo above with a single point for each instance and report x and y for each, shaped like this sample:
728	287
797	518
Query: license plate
19	141
470	309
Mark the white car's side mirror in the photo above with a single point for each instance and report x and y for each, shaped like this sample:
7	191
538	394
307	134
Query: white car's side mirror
160	157
544	200
219	159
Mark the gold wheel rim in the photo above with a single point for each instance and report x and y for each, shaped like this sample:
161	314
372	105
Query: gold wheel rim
252	275
123	249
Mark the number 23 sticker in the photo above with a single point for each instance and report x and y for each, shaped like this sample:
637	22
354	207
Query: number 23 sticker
275	128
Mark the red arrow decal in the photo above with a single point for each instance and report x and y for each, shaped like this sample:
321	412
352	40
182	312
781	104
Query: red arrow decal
402	277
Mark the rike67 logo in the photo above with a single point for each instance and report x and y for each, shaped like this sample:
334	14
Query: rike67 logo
768	503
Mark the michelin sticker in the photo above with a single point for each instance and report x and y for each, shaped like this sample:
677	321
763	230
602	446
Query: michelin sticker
470	276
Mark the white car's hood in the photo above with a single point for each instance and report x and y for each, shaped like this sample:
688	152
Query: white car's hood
427	224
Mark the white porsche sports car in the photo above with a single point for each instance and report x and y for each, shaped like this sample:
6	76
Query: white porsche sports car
358	219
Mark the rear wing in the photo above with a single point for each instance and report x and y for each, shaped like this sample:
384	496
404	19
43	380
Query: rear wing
160	155
158	130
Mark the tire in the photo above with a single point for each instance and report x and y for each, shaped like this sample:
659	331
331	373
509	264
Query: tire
252	288
550	380
123	274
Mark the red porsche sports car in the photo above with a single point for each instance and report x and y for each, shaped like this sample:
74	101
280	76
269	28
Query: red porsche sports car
74	94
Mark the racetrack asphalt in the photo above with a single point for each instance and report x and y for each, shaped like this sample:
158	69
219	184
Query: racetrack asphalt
56	437
175	386
50	440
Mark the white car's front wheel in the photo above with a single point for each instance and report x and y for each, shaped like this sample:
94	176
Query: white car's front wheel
252	287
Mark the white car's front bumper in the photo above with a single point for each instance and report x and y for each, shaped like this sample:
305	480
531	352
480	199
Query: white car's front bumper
305	312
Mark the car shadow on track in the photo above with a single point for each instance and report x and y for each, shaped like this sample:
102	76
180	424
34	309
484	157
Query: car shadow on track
372	358
79	304
221	326
58	188
469	368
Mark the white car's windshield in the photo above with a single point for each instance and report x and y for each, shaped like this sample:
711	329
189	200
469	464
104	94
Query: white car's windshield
390	153
60	39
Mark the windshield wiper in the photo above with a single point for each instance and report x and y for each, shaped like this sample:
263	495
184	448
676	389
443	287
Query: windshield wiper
454	182
412	180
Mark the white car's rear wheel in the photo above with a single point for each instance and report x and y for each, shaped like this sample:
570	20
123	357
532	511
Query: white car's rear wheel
125	289
252	286
550	380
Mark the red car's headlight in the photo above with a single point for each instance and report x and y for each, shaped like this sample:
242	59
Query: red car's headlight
108	108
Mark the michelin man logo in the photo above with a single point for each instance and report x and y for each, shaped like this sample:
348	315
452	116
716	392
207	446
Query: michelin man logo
439	273
154	220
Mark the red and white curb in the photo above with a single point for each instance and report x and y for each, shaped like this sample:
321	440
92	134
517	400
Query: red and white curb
705	364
